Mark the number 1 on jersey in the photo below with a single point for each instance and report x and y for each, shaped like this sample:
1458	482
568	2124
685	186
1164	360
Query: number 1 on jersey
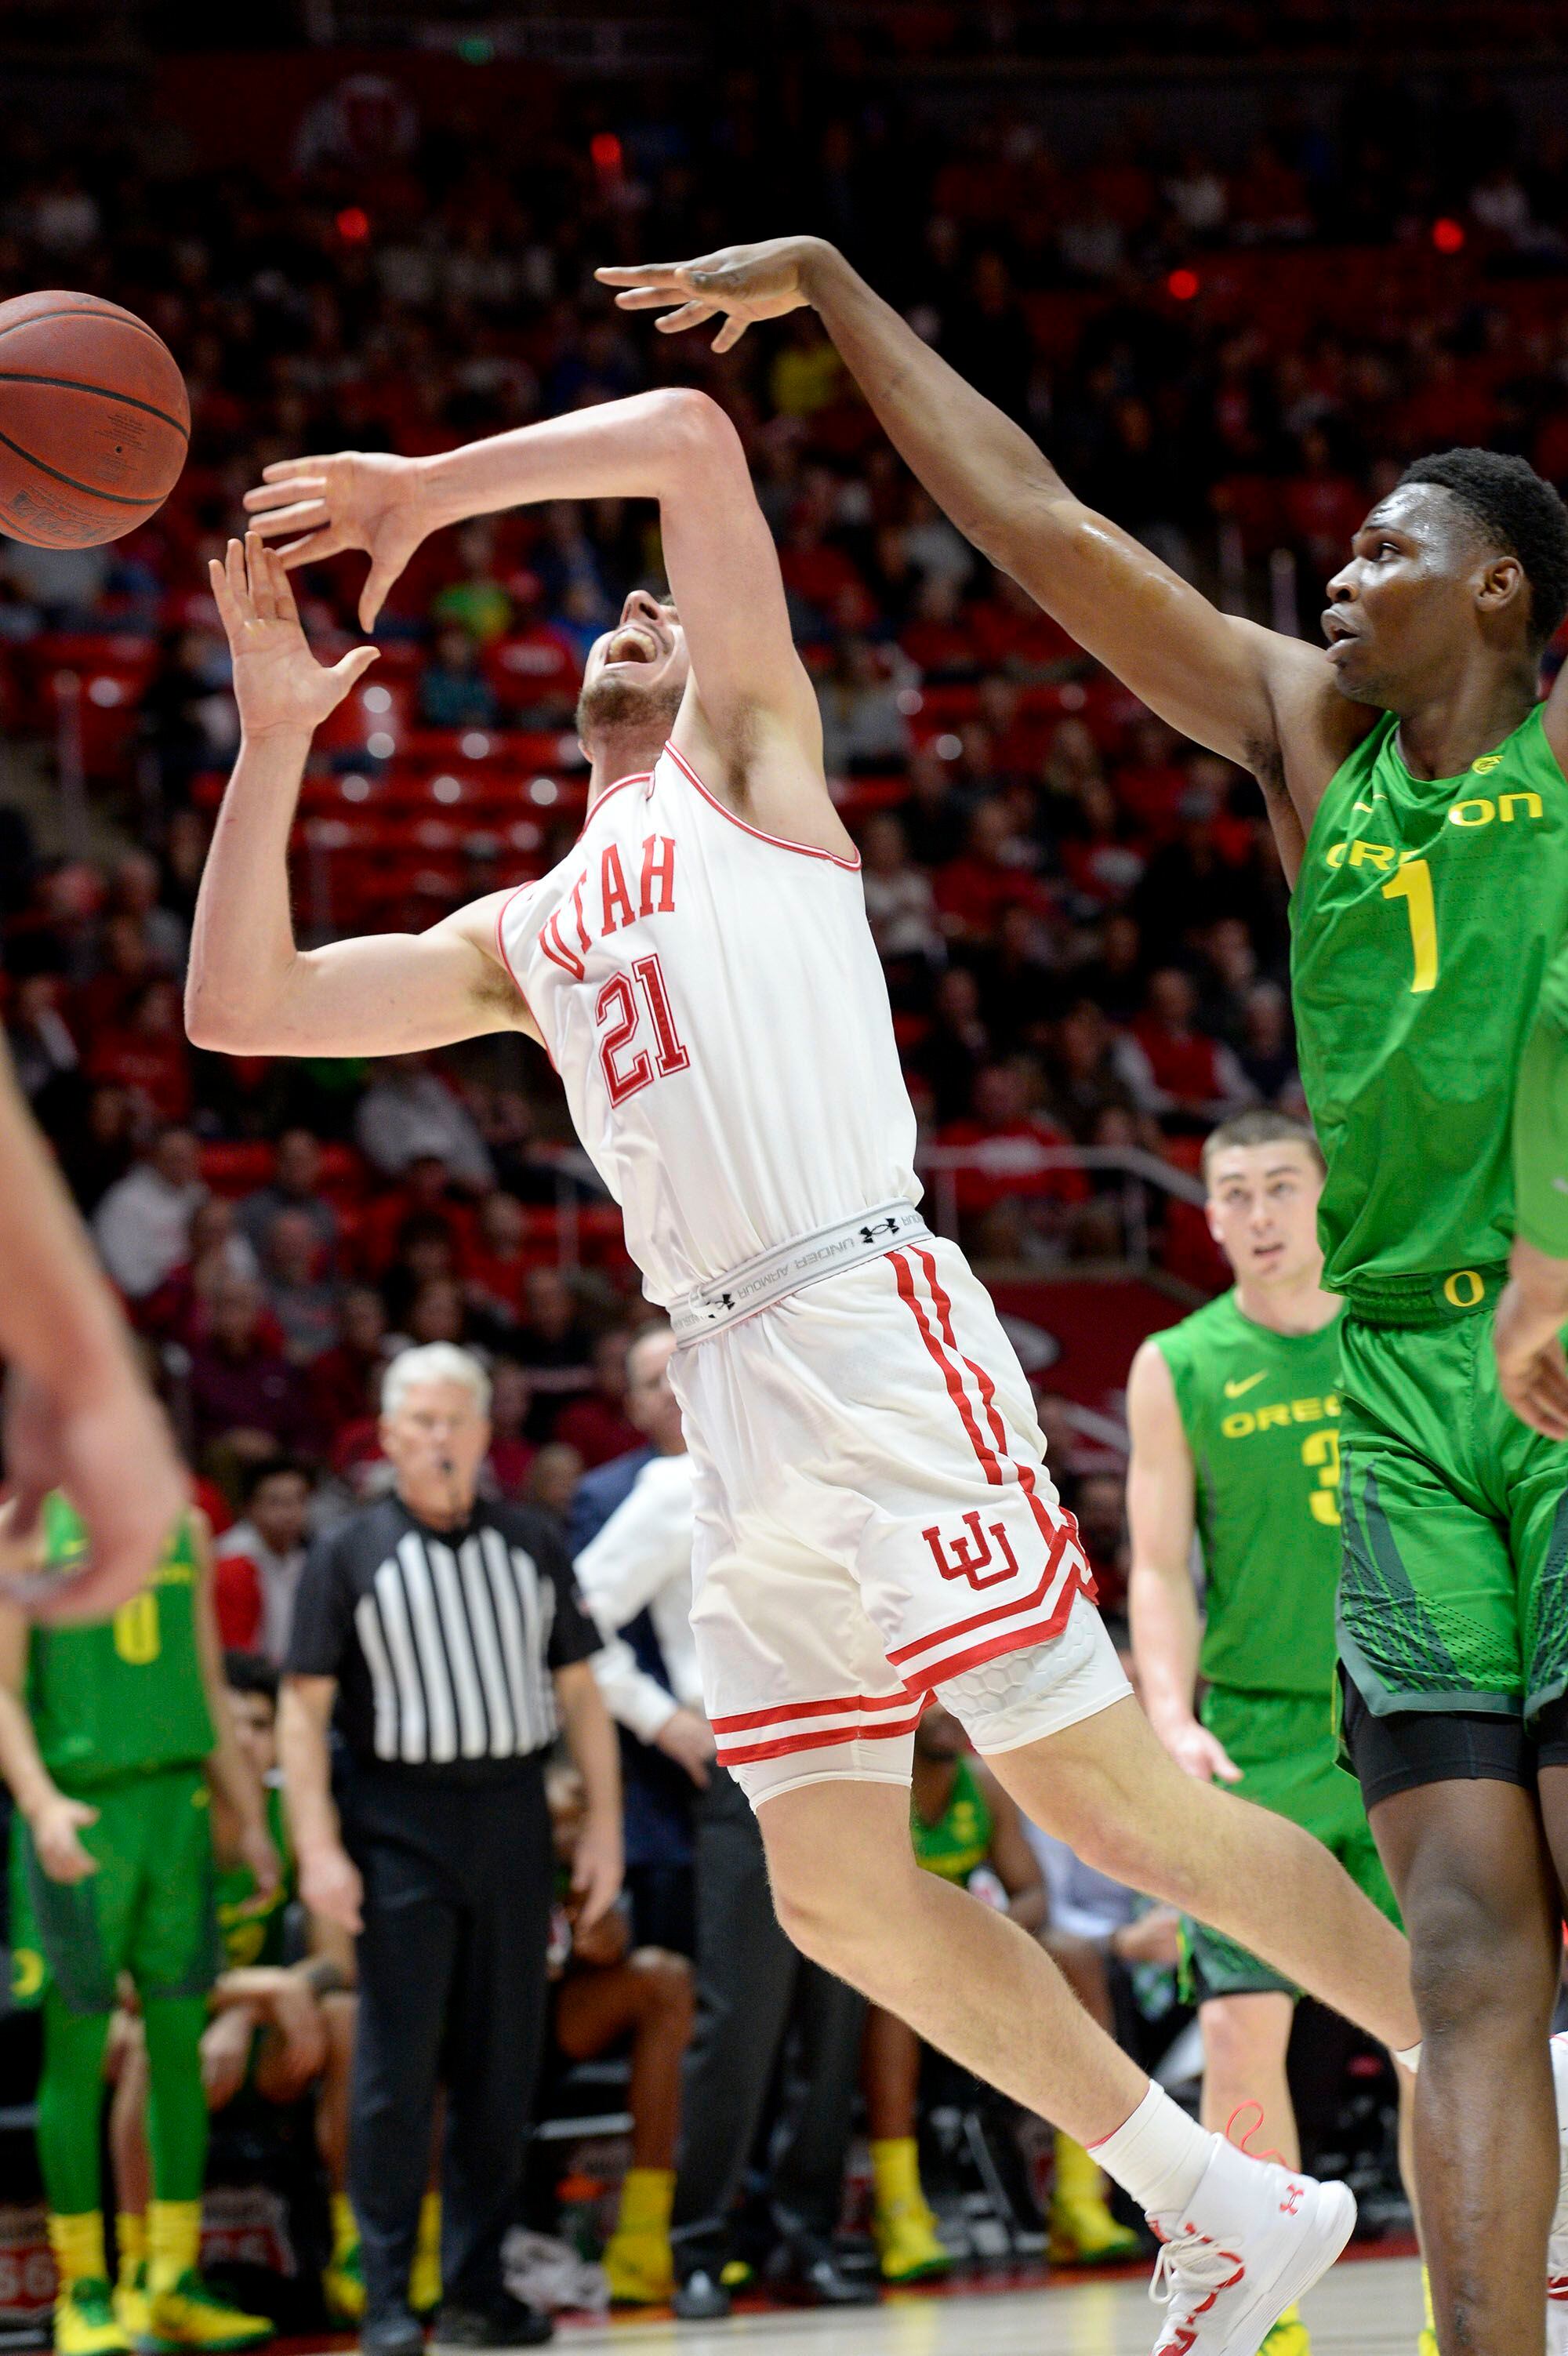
617	1006
1412	884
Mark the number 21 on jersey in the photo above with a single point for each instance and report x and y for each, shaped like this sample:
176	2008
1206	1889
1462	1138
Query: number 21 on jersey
628	1067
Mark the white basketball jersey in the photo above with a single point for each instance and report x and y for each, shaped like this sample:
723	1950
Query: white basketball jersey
714	1003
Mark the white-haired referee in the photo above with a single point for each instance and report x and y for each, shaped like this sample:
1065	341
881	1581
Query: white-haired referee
443	1639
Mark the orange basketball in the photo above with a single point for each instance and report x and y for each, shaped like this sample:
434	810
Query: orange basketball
94	420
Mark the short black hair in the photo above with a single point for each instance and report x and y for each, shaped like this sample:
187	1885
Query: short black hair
255	1476
251	1673
1261	1125
1516	507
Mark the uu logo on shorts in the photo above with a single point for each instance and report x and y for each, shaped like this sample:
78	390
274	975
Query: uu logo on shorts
974	1554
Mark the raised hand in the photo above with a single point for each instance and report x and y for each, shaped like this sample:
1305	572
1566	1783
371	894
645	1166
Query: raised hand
356	500
742	283
278	683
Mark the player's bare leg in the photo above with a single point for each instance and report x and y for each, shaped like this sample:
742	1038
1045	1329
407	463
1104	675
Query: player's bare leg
1111	1790
1478	1896
1245	2040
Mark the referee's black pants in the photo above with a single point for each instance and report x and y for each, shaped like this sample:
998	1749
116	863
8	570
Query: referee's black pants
453	1973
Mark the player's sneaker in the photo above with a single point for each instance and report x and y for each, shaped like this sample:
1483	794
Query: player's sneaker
1083	2233
908	2247
1252	2238
1289	2337
190	2315
343	2283
131	2300
86	2323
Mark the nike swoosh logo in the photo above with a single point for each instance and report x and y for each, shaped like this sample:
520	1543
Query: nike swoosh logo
1236	1390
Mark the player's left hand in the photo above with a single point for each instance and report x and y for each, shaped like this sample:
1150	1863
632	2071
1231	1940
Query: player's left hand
1527	1334
598	1864
278	683
740	282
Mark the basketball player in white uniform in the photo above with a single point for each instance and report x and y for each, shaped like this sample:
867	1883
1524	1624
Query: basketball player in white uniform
875	1521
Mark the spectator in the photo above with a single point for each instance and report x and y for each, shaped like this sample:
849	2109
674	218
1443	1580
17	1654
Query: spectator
453	690
596	1425
900	906
511	1454
142	1223
445	1775
244	1401
147	1052
610	1991
344	1381
257	1562
300	1297
295	1185
1010	1177
1267	1049
409	1113
1171	1067
552	1482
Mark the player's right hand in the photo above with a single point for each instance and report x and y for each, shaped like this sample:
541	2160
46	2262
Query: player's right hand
1197	1754
355	499
742	282
329	1885
57	1828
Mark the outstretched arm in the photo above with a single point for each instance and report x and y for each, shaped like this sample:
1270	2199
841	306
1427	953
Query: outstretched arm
250	990
1245	691
675	446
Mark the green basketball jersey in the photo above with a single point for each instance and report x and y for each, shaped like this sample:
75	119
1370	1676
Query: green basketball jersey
111	1697
255	1938
959	1841
1423	919
1261	1414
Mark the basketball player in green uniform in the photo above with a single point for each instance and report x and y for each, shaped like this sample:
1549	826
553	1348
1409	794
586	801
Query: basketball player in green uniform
1416	790
113	1737
277	2031
968	1830
1234	1416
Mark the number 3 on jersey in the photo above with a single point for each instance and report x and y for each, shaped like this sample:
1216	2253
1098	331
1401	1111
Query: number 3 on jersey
618	1015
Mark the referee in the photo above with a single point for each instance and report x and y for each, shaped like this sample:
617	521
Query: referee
445	1641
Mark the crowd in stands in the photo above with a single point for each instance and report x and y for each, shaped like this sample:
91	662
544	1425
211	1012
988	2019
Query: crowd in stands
1080	915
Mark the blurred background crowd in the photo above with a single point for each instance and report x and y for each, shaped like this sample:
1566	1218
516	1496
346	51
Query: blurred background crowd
1230	341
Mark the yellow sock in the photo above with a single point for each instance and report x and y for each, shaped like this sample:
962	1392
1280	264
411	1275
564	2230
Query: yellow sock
174	2242
131	2240
647	2197
345	2225
896	2170
78	2246
1427	2302
429	2235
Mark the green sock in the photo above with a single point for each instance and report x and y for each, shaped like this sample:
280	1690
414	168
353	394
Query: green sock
177	2105
70	2106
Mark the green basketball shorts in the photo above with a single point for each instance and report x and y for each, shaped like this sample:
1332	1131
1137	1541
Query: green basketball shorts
147	1912
1283	1744
1454	1594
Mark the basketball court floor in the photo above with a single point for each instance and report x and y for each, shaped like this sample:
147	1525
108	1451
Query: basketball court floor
1366	2308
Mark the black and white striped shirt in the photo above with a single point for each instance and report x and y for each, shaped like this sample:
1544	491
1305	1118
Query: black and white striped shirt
442	1641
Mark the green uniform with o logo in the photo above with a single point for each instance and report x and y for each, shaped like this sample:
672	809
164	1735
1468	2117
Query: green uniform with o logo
1426	918
1261	1412
119	1709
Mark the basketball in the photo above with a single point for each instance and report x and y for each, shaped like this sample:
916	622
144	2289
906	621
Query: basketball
94	421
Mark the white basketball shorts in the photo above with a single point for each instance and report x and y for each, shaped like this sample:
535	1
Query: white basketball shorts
874	1520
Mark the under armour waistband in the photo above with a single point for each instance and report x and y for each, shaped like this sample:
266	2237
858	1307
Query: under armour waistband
758	1282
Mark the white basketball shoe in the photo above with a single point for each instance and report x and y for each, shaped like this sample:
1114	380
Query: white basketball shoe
1252	2238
